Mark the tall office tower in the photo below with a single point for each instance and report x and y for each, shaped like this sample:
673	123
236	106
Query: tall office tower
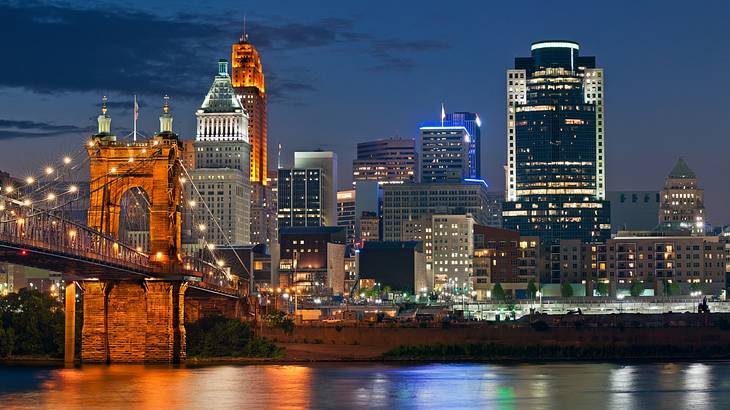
555	170
473	124
299	197
444	153
263	212
326	161
188	156
222	154
346	215
248	81
682	201
386	161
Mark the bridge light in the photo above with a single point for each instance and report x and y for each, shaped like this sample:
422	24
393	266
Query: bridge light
91	143
221	263
29	180
192	203
2	207
131	159
73	188
24	252
144	150
183	180
26	202
72	233
51	196
201	228
139	249
9	189
21	221
159	256
113	170
49	170
66	160
211	246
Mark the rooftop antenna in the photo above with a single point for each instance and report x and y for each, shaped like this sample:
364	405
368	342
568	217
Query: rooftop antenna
245	33
136	115
278	158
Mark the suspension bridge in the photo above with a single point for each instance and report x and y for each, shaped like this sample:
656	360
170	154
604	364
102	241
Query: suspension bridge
135	295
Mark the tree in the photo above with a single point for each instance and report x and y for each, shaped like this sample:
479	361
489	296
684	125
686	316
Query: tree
637	288
498	292
566	290
531	289
672	289
602	289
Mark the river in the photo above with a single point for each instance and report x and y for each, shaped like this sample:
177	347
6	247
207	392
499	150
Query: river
353	385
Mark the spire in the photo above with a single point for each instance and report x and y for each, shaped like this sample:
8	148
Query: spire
682	171
105	122
244	37
166	117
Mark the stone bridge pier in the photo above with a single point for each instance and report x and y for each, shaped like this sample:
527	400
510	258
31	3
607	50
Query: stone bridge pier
132	322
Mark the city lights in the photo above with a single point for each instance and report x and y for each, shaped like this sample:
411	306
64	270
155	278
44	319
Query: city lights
66	160
49	170
29	180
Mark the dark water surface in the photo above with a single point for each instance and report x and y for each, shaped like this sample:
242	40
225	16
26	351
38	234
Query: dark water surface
342	386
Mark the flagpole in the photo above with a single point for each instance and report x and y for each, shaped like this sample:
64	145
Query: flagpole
135	118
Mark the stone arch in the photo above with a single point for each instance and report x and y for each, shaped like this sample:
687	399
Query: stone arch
154	166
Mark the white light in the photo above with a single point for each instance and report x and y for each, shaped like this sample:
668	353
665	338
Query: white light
551	44
26	202
183	180
49	170
221	263
73	188
66	160
131	159
211	246
479	121
201	227
2	207
51	196
192	203
113	170
29	180
8	189
91	143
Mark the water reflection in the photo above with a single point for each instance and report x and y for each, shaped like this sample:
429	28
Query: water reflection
357	385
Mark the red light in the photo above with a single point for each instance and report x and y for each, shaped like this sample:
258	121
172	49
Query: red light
24	252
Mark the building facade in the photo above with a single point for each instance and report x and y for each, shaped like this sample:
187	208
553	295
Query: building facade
555	174
398	265
445	153
346	214
452	249
409	203
682	201
299	197
473	124
220	186
326	162
312	259
247	76
633	210
387	161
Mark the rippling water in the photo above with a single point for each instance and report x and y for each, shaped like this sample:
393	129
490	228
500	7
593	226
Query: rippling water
534	386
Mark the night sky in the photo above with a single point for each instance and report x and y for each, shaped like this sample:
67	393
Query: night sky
342	72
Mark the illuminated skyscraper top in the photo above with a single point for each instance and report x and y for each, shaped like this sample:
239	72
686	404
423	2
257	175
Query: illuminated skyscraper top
247	77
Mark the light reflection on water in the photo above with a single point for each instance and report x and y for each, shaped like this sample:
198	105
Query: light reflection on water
355	385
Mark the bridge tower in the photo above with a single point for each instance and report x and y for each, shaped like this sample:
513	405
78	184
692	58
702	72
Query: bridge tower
154	166
135	320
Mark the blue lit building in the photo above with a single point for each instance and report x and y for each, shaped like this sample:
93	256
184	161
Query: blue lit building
473	124
450	148
555	174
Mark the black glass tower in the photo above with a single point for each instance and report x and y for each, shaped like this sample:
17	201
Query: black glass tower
555	172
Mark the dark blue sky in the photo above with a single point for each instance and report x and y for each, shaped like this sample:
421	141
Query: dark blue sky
342	72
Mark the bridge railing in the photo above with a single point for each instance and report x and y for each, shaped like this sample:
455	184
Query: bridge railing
45	231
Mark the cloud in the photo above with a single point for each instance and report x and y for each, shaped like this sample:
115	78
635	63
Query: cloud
108	49
10	129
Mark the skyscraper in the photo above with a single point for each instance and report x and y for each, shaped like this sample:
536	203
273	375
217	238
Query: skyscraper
221	160
326	161
247	77
387	161
555	172
445	153
473	124
299	197
682	201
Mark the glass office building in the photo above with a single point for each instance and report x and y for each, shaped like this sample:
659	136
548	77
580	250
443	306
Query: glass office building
555	174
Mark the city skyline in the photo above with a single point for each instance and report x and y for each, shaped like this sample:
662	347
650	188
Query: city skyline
405	71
